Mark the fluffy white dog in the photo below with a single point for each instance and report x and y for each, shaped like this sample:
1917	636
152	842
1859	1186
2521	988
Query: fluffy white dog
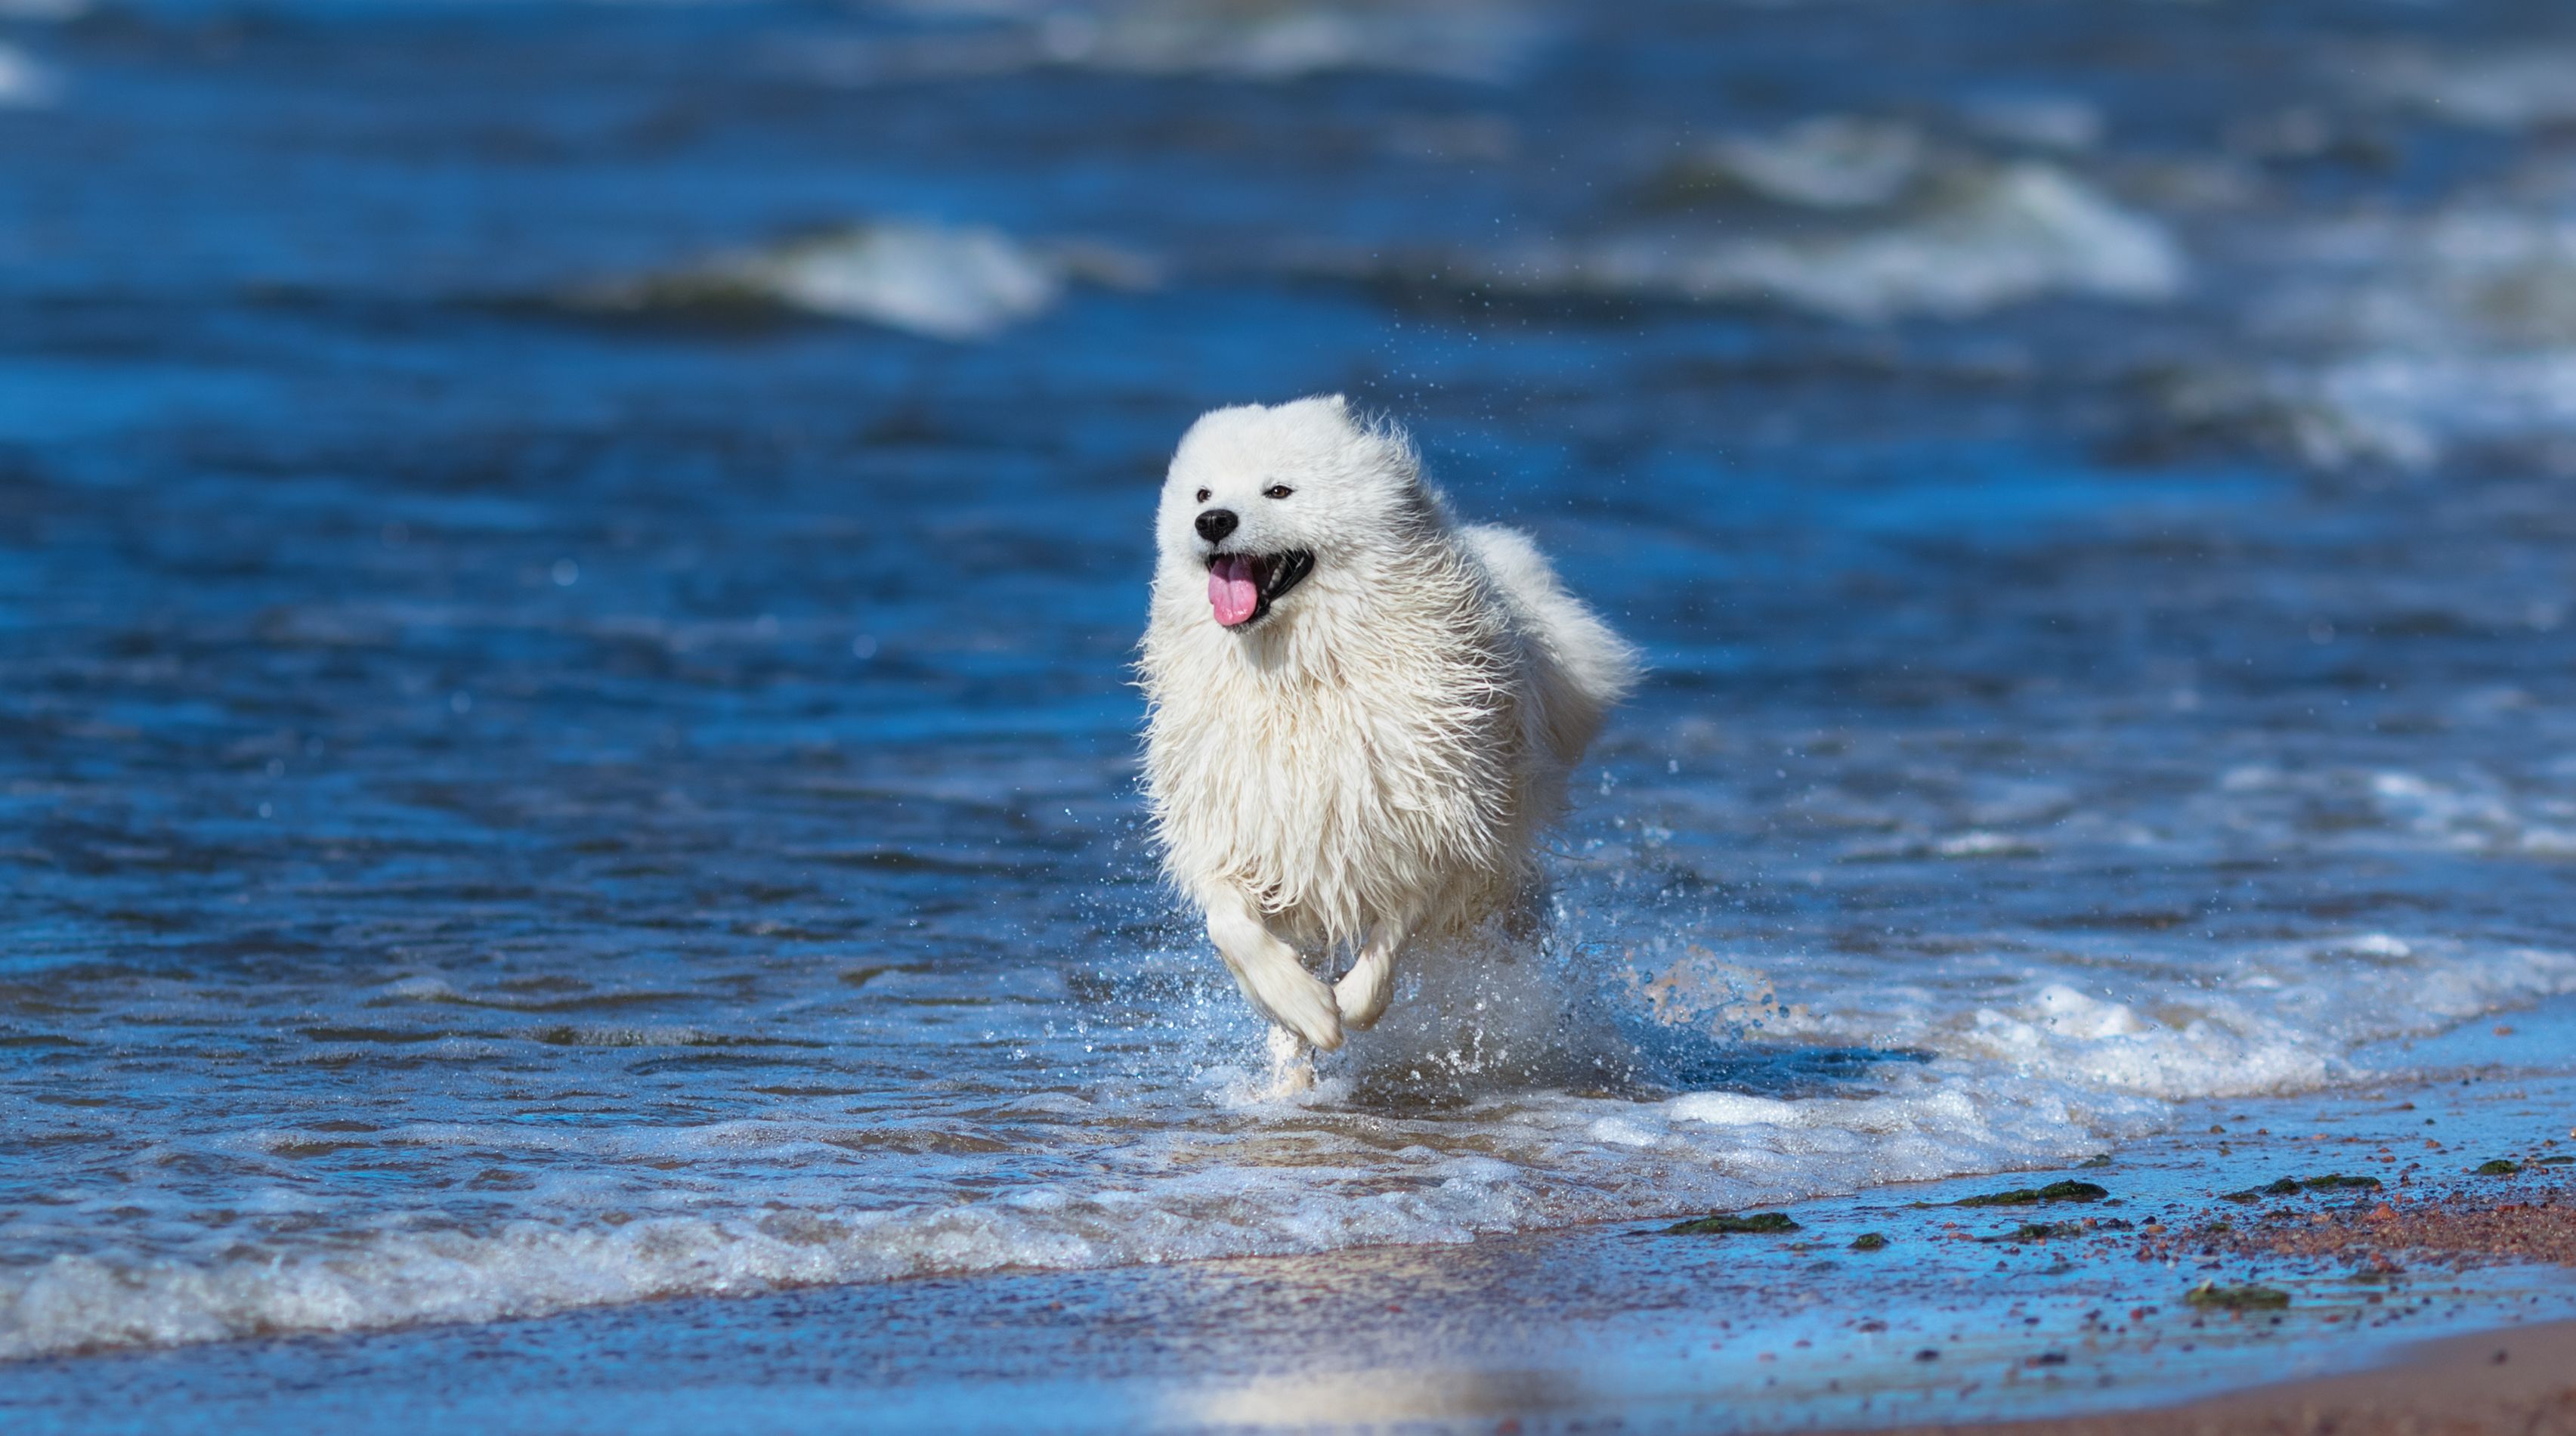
1362	711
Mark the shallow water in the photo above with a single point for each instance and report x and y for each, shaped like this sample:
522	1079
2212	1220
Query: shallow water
567	572
1952	1314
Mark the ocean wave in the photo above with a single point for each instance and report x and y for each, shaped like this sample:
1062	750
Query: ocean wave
2041	121
1987	237
2480	275
1473	40
2404	338
2283	1021
2411	409
2465	810
23	82
1830	162
2493	89
943	282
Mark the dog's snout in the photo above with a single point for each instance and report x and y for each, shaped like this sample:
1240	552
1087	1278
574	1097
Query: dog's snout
1215	524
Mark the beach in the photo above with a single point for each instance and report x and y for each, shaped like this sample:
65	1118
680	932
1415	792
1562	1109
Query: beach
570	581
2513	1380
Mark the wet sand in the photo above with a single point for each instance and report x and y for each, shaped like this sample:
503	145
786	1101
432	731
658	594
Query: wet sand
2511	1380
2518	1381
2531	1224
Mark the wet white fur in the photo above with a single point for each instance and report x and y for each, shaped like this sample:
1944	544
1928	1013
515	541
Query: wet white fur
1369	764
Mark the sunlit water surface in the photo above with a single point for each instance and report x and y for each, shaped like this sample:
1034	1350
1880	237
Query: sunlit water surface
567	576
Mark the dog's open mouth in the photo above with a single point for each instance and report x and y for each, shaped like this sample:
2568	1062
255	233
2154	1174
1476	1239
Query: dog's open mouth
1242	586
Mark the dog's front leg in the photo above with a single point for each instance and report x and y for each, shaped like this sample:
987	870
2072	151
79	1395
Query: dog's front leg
1269	973
1363	991
1292	1065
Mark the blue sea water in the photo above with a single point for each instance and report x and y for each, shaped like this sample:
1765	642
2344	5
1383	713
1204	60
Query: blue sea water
568	576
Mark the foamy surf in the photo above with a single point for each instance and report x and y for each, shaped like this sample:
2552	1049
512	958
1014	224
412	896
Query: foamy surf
1338	1182
24	83
1982	237
1109	1175
2399	340
943	282
1483	41
2502	89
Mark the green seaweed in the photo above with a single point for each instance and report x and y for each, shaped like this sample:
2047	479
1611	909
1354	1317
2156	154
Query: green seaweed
2037	1232
2500	1167
1725	1225
2237	1298
2292	1186
1869	1242
2033	1196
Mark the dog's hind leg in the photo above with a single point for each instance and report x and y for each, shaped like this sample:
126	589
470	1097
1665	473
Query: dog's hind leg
1269	973
1363	991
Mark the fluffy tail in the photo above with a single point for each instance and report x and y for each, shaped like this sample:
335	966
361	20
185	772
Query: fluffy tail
1583	667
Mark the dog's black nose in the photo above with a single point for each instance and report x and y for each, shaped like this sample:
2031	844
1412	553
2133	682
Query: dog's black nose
1215	524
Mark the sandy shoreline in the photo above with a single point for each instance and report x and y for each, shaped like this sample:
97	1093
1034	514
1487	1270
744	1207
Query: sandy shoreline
2517	1380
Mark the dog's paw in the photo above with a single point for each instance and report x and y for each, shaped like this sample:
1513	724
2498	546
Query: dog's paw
1307	1008
1272	977
1287	994
1298	1001
1363	992
1292	1066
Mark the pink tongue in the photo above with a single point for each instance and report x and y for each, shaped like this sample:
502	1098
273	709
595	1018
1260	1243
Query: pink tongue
1231	591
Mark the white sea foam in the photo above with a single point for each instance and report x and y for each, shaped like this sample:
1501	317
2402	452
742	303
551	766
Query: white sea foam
2049	1067
2415	335
1479	40
945	282
24	82
941	281
2497	89
2462	809
2048	122
1990	237
1463	41
1831	162
2279	1021
963	283
1537	1161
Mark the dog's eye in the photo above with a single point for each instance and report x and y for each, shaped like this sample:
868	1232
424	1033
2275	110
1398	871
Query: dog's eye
1277	491
1203	496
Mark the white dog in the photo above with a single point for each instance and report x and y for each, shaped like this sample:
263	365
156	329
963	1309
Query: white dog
1362	712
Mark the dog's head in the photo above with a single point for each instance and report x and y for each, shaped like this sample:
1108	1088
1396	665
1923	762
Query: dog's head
1261	499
